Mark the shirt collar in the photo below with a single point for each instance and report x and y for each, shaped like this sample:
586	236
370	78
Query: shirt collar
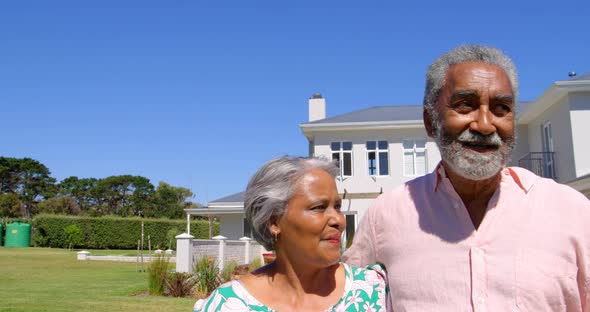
514	174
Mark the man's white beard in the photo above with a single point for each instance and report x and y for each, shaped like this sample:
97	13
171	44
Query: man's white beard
470	164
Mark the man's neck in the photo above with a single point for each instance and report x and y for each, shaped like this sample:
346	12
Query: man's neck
475	194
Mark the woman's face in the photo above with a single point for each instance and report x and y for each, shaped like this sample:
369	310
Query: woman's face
311	228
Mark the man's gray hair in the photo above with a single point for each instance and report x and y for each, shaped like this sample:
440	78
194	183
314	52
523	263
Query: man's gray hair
271	188
437	71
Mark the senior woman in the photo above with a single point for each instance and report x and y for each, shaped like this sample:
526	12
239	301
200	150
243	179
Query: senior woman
294	208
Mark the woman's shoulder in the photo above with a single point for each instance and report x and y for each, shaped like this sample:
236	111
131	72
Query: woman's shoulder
365	289
214	299
368	272
231	296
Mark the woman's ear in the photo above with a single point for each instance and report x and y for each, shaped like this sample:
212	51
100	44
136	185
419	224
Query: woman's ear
275	228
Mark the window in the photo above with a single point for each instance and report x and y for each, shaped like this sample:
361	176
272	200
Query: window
378	158
414	158
350	229
342	154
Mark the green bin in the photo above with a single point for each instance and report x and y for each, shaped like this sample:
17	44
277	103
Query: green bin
18	234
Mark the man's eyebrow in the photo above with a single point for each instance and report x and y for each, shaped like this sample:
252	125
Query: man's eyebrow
503	98
459	94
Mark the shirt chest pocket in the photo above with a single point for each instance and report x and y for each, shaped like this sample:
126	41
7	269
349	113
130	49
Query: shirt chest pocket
545	280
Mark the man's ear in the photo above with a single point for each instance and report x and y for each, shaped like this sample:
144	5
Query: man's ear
428	122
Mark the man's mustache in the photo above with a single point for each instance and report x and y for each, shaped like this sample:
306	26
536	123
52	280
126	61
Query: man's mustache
472	137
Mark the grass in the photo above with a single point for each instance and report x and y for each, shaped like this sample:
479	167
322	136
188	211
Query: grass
49	279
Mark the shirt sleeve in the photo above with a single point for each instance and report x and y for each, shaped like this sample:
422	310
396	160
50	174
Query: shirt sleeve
581	223
584	270
362	252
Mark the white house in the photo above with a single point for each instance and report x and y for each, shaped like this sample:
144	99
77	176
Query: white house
553	133
381	147
378	148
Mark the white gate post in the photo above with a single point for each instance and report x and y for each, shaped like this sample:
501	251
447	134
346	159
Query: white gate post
221	257
184	253
188	223
246	241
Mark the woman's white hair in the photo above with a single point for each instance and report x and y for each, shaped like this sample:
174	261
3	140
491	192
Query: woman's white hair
271	188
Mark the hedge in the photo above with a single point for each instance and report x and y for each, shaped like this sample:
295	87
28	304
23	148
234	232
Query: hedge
113	232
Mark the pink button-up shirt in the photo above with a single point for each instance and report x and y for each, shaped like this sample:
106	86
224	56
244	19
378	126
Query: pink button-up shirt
530	253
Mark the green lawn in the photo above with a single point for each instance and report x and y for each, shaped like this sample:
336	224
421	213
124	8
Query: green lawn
48	279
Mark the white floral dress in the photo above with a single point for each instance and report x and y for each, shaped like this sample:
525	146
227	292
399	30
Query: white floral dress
364	290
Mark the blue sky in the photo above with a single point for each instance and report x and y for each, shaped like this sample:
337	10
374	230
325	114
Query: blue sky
201	93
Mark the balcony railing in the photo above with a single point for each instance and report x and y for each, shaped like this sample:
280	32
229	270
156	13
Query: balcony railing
541	163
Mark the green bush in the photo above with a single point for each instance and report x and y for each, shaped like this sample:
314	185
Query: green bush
157	273
111	232
228	270
207	274
73	235
255	264
180	284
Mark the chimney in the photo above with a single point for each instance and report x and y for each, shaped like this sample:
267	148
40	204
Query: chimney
317	107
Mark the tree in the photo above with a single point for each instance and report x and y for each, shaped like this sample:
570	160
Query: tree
27	178
123	195
80	190
9	205
59	205
170	201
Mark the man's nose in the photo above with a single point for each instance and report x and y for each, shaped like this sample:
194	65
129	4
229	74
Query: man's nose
483	122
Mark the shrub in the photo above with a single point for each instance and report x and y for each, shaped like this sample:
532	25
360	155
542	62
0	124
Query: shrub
180	284
157	271
255	264
73	235
207	275
228	270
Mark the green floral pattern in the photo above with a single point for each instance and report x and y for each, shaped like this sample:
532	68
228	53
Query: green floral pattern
364	290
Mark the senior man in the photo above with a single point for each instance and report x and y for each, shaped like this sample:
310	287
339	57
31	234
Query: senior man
475	235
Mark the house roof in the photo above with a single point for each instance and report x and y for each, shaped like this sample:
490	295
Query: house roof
233	198
376	113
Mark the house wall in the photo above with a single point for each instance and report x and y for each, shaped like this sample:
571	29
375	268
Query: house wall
361	181
522	144
579	104
559	117
231	226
